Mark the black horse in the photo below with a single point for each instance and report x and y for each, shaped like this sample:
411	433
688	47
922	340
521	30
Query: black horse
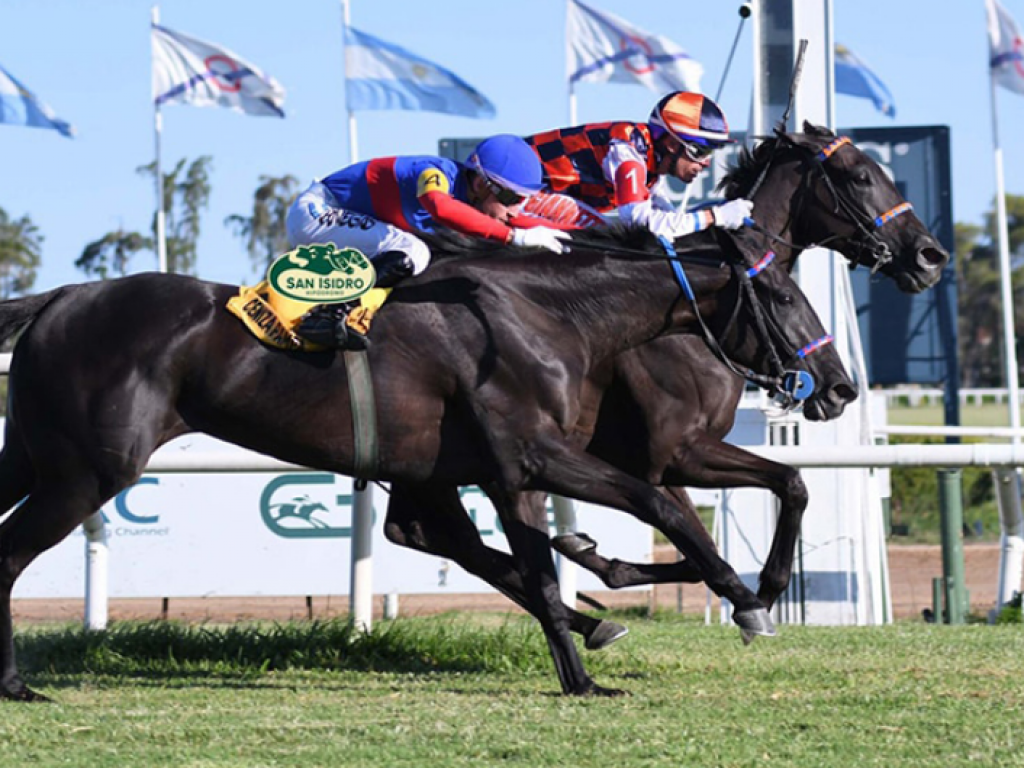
480	382
810	188
660	411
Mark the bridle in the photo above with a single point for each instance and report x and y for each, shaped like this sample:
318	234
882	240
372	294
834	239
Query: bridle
787	385
867	225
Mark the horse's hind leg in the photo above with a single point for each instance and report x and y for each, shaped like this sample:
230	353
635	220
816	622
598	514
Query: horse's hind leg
48	515
16	473
432	519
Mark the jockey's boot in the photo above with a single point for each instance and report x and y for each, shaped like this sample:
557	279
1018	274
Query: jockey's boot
392	267
325	325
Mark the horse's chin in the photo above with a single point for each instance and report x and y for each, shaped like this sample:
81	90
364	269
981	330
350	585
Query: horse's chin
822	410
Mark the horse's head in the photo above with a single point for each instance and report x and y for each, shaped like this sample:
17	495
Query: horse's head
819	188
773	329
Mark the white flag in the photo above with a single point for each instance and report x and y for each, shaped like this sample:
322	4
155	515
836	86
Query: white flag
604	48
1006	57
191	71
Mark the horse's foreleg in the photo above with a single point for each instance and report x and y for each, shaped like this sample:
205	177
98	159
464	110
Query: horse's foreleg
578	475
526	526
711	463
432	519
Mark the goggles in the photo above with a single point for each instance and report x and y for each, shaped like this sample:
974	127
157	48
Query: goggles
698	153
504	195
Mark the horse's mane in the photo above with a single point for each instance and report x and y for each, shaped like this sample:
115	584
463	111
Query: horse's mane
744	174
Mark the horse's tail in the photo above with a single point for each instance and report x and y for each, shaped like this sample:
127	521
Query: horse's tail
15	314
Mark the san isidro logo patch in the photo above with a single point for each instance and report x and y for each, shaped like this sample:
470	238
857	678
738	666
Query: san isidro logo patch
322	274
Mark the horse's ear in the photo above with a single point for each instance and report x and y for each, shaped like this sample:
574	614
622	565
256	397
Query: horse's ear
817	130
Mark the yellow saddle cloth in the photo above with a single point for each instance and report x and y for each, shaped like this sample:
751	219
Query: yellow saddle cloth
272	318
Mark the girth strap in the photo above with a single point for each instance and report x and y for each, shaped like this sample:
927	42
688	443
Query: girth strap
364	413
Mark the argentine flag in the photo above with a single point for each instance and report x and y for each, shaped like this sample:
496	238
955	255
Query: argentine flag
855	79
19	106
380	75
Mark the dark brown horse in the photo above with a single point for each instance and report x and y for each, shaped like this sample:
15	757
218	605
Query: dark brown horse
660	411
479	382
810	188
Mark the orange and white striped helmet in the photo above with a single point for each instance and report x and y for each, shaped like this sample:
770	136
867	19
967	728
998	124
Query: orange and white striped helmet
691	117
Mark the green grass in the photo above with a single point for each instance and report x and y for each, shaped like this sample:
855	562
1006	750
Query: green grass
480	691
988	415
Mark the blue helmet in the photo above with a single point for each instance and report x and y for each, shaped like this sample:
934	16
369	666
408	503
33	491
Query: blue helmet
509	162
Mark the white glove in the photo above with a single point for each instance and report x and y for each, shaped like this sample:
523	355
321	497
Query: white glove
541	237
731	215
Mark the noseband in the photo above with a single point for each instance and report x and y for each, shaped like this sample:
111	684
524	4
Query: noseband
866	224
787	385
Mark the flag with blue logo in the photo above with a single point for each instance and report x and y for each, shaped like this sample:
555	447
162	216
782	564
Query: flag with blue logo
190	71
380	75
602	48
19	106
1006	51
854	78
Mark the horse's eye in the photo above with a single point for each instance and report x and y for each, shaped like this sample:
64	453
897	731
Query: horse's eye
862	176
786	298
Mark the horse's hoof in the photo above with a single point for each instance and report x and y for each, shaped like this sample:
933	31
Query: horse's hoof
606	633
593	689
570	544
25	694
753	623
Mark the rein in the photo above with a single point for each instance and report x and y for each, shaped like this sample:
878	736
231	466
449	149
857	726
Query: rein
789	386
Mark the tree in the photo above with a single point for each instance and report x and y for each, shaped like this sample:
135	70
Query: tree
264	230
186	194
111	253
185	197
20	254
980	291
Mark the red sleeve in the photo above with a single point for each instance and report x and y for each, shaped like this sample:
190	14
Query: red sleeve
527	221
446	210
630	183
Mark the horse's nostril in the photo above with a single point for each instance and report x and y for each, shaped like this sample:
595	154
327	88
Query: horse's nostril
847	393
932	257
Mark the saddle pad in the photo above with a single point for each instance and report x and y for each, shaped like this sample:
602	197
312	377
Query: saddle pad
263	321
272	322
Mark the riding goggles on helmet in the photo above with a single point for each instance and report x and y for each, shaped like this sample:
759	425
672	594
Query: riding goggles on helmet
697	152
504	196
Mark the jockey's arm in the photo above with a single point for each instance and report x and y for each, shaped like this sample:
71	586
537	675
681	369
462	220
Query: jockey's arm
636	205
454	214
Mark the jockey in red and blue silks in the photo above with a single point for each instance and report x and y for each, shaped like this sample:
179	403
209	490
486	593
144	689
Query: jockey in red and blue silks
602	167
378	206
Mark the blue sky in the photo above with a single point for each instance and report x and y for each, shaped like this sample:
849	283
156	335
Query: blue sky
91	63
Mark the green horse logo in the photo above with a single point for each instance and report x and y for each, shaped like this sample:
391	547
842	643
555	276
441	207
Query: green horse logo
322	274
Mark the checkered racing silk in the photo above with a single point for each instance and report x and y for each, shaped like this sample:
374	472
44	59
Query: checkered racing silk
572	159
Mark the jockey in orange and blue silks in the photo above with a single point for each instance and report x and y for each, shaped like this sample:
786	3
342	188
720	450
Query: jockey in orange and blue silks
594	169
379	206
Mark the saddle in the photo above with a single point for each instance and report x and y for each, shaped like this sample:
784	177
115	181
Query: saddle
272	318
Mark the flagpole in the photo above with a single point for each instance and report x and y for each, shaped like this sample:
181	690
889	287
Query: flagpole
572	91
161	239
353	153
1012	549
